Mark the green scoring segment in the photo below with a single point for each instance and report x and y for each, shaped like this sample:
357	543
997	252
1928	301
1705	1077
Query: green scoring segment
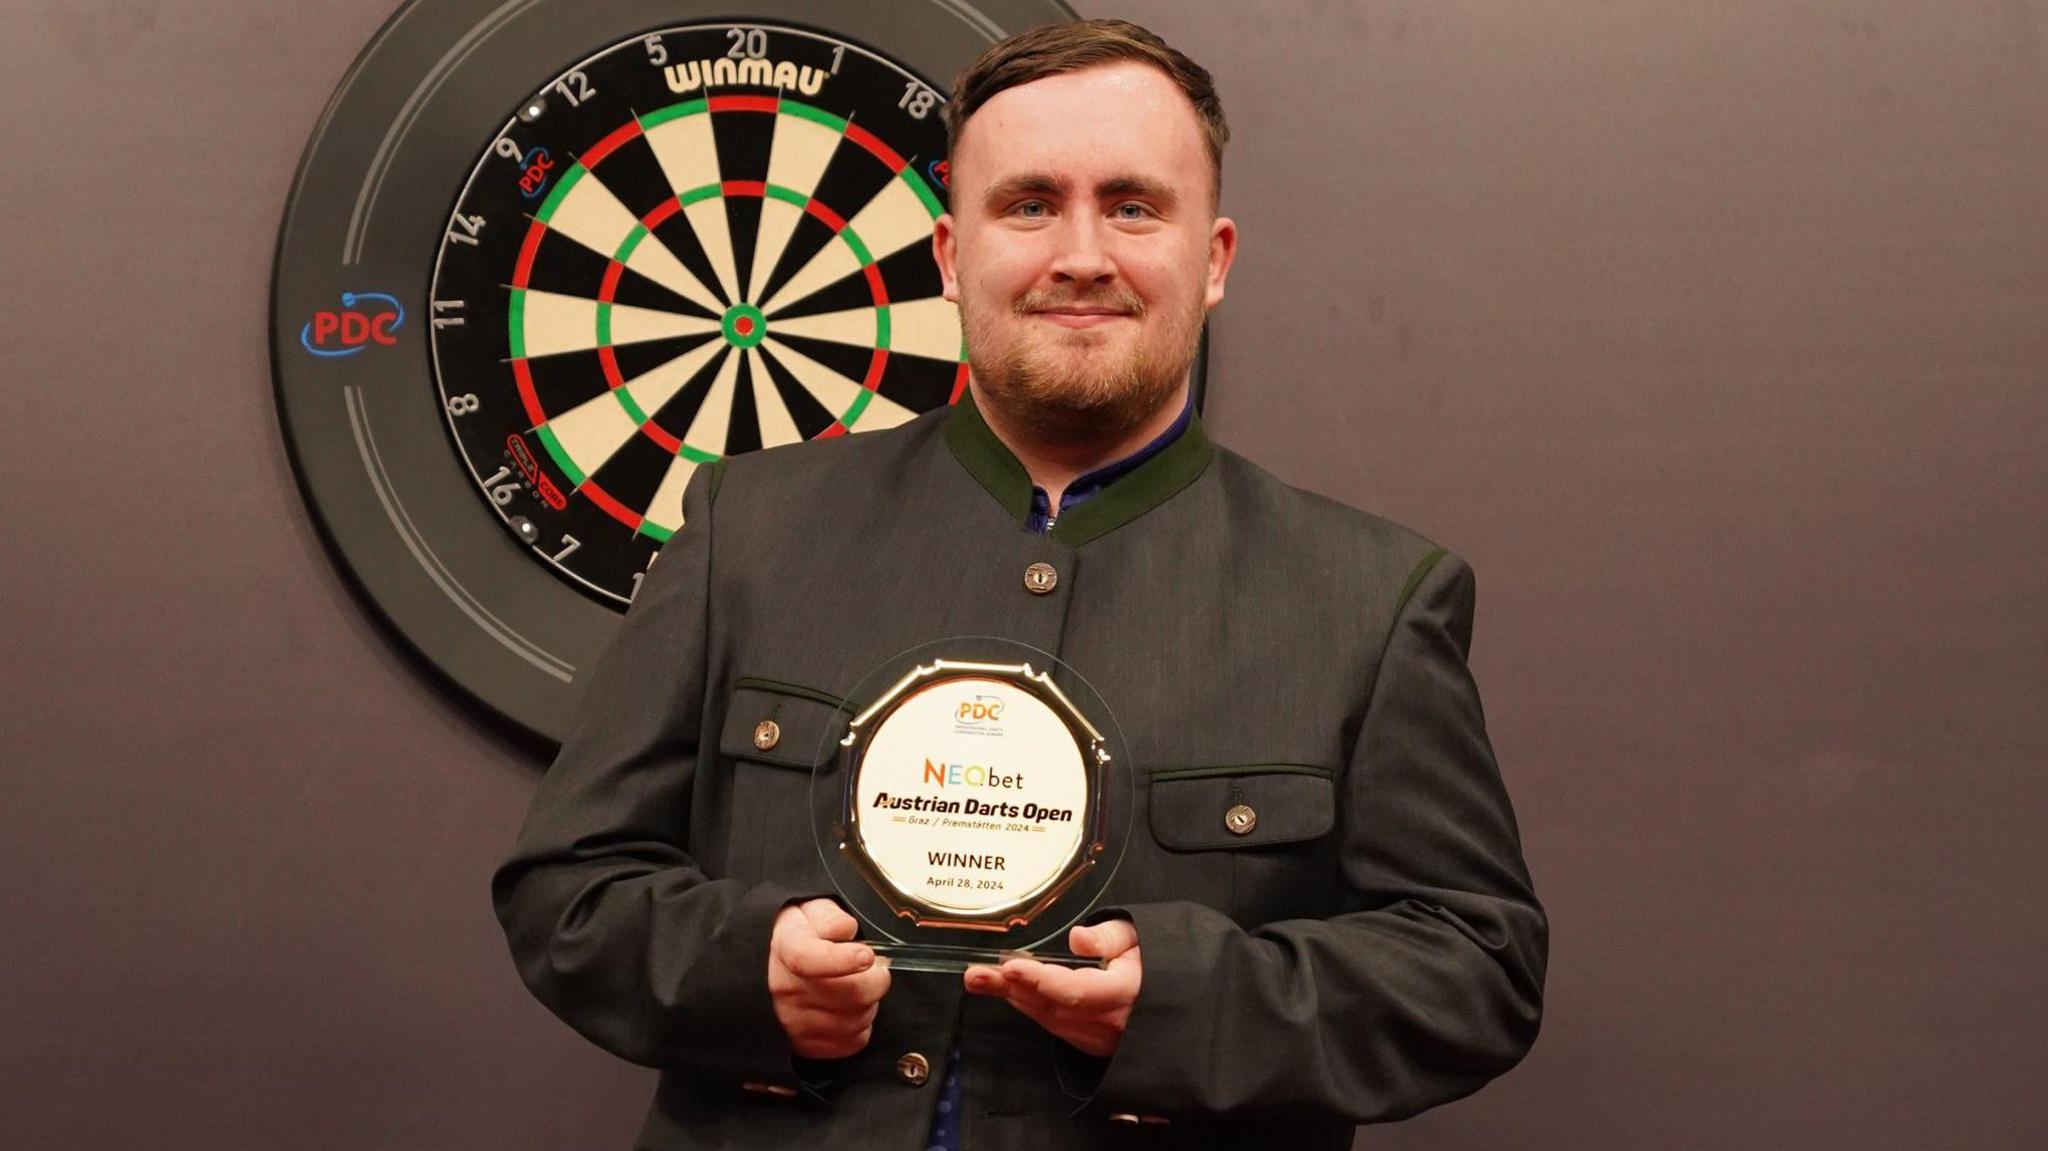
743	325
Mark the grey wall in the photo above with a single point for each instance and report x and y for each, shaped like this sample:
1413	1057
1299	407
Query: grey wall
1714	335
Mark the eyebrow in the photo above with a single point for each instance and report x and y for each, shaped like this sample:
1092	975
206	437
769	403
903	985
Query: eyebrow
1042	184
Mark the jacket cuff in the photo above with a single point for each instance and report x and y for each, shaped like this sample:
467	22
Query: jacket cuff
738	1036
1170	1017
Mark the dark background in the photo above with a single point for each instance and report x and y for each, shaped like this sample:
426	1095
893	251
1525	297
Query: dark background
1714	335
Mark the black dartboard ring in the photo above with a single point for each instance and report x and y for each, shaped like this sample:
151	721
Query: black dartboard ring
542	257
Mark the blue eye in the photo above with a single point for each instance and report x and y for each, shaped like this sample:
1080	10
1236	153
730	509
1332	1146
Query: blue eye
1131	211
1030	208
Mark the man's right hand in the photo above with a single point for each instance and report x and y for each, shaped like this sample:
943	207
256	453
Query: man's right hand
826	988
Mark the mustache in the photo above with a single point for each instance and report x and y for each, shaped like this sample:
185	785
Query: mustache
1115	299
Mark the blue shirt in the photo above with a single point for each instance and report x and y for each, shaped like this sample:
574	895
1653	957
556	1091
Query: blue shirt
1085	488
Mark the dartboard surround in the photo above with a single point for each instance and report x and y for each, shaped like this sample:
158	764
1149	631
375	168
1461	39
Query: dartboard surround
545	259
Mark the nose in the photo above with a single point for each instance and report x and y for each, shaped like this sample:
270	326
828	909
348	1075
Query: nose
1081	256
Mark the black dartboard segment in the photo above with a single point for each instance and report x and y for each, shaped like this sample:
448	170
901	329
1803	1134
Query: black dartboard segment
545	258
618	290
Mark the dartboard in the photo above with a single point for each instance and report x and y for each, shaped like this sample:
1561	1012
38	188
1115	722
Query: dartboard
543	259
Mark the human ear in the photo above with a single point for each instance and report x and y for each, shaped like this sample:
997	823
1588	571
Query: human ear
1222	253
944	251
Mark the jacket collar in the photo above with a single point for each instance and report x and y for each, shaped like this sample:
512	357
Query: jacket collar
1152	483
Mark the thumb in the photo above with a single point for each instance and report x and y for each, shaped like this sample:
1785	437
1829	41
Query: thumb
830	920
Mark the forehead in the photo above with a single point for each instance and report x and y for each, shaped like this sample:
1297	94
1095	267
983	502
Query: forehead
1123	118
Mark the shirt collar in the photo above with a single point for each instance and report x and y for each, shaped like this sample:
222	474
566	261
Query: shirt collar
1086	487
1115	494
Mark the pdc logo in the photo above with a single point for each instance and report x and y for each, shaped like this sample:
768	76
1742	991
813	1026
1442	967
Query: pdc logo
364	318
981	711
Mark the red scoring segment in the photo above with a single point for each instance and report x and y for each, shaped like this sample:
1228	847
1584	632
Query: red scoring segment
743	325
609	144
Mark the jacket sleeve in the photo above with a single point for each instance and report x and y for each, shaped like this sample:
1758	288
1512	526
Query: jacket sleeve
1428	982
610	920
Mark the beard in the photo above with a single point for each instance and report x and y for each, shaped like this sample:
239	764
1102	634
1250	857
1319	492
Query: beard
1056	386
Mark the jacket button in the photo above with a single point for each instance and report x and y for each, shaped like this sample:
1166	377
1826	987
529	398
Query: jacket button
1240	820
1040	579
767	734
913	1069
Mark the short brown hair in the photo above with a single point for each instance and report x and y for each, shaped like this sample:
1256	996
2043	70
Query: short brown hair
1055	49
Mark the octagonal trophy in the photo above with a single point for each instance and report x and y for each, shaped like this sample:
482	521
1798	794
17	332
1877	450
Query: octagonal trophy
976	806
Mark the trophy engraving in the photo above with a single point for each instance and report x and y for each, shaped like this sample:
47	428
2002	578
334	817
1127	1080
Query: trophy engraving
971	803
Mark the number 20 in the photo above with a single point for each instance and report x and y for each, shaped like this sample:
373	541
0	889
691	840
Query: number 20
747	44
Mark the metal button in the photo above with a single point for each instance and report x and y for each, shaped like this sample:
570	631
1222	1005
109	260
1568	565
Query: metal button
1040	579
913	1069
767	734
1240	819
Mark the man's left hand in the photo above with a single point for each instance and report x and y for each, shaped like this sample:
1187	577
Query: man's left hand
1086	1006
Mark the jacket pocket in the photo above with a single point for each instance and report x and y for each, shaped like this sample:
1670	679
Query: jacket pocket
773	735
1253	839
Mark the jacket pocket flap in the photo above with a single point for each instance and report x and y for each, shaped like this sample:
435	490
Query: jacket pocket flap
782	724
1204	809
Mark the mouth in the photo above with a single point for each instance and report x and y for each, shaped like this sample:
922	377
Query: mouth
1080	317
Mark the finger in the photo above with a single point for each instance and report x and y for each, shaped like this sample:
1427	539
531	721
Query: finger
1015	981
830	920
983	980
862	990
1083	990
1021	986
831	1042
1105	940
1026	973
1038	1011
1084	1032
815	1019
823	959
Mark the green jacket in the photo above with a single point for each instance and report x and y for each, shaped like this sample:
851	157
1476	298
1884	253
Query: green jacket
1371	948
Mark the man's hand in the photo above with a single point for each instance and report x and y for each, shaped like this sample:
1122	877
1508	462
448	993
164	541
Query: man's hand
825	988
1085	1006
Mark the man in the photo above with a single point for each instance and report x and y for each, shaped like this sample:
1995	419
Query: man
1323	917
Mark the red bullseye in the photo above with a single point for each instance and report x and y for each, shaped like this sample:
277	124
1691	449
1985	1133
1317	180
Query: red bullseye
744	326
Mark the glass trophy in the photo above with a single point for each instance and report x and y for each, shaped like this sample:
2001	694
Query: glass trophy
975	805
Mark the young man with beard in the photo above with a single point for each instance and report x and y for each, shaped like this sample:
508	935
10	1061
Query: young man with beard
1323	917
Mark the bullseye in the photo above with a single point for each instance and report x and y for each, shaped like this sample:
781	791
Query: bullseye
744	326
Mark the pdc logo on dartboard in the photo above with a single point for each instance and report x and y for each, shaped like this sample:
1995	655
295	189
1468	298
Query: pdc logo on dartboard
364	319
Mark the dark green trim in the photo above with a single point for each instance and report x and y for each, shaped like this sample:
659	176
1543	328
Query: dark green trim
1237	769
985	457
1157	480
798	690
717	478
1416	577
1154	482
